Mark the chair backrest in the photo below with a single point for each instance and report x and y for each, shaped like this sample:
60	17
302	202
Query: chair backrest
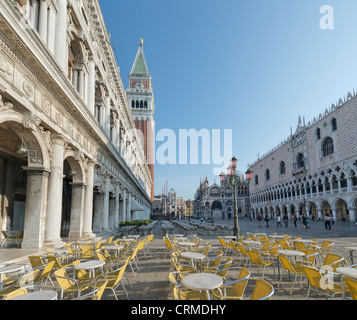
141	245
55	259
45	272
300	245
326	244
60	274
99	293
263	290
313	276
254	257
242	249
284	244
172	279
240	286
36	261
81	273
87	251
223	269
333	260
352	286
286	264
15	293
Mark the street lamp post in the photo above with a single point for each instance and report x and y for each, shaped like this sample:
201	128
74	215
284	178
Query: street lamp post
233	181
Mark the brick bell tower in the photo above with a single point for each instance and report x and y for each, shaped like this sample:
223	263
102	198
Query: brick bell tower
141	100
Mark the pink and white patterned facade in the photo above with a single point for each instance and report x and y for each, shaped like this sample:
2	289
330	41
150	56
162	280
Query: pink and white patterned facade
314	170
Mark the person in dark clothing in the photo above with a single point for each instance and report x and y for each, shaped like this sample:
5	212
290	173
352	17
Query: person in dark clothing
267	219
286	219
295	220
327	222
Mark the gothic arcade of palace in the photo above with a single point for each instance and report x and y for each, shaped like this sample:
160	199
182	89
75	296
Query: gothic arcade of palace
62	99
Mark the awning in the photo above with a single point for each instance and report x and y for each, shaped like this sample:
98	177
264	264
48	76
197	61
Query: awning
135	206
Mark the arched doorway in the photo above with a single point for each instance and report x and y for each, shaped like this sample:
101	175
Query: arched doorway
13	181
313	211
216	209
342	212
326	209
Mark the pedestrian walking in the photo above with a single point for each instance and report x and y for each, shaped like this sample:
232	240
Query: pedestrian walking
295	220
327	222
267	219
305	221
278	221
259	218
286	219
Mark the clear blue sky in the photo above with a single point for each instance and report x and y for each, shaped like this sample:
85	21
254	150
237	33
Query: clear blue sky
252	66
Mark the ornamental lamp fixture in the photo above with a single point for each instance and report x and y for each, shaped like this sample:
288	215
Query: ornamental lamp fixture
222	177
234	162
248	175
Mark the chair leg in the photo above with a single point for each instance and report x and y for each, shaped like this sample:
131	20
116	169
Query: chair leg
122	284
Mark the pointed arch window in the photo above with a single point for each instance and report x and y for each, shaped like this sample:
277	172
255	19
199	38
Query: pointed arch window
256	180
318	134
333	124
282	167
300	160
327	147
267	174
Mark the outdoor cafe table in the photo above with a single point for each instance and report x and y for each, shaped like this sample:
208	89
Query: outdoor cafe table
114	248
229	237
202	281
252	243
60	252
9	269
351	249
90	265
347	272
177	235
135	236
38	295
194	256
289	253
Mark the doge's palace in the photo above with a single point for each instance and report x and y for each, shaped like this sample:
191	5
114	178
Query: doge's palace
71	164
314	170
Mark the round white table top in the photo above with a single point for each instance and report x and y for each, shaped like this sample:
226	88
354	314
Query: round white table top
303	240
90	264
186	243
180	239
351	248
11	268
134	235
193	255
59	250
202	281
178	235
291	253
349	272
128	239
229	237
114	247
252	242
276	236
38	295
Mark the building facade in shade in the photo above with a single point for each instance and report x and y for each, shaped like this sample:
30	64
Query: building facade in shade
217	201
188	209
71	164
141	100
313	171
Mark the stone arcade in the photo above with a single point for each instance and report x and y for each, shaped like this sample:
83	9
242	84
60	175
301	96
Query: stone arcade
62	98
